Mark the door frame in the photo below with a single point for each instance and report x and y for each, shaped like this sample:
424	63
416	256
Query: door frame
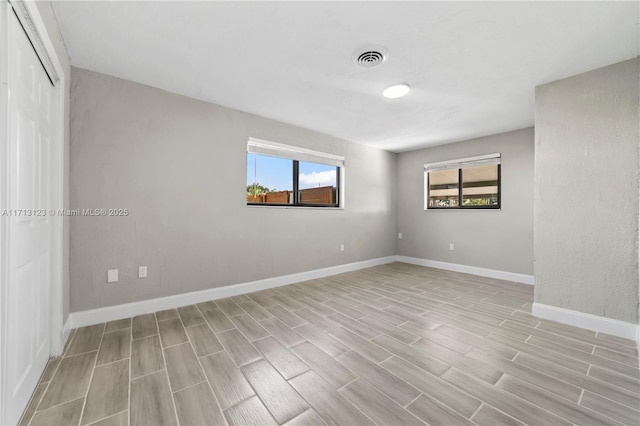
29	15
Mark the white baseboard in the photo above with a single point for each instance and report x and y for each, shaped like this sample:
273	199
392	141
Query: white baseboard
623	329
112	313
66	330
638	341
474	270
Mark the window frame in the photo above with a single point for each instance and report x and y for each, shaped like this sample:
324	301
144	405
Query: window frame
461	164
296	155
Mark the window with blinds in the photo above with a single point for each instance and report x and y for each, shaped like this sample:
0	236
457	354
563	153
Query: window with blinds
285	175
465	183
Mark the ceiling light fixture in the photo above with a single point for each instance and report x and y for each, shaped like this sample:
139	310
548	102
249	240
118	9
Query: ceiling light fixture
396	91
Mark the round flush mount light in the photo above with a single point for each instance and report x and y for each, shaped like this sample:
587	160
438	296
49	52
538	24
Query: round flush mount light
396	91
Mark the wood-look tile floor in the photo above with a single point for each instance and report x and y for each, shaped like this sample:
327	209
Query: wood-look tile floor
391	345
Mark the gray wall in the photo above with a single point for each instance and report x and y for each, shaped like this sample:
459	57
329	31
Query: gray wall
179	165
586	192
51	23
494	239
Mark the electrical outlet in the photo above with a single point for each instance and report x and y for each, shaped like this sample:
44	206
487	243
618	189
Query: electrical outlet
399	235
341	247
142	272
451	247
112	275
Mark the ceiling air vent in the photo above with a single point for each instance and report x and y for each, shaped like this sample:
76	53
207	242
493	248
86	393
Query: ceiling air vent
370	57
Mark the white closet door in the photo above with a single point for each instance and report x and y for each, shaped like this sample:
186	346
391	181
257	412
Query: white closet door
29	188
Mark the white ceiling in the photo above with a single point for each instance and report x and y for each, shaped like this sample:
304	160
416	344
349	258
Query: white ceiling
472	66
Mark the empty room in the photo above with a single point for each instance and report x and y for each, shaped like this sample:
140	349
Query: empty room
319	213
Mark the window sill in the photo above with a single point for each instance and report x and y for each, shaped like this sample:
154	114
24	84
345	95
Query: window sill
254	206
463	210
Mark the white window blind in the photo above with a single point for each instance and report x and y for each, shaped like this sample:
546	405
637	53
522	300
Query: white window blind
273	149
461	163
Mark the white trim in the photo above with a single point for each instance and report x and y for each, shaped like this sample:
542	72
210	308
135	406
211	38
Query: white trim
638	341
40	28
127	310
265	147
622	329
263	143
34	27
425	189
64	335
4	195
291	207
463	162
473	270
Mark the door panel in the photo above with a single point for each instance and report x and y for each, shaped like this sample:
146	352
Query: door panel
20	355
29	255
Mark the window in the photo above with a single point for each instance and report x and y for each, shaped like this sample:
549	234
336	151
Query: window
269	180
467	183
283	175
